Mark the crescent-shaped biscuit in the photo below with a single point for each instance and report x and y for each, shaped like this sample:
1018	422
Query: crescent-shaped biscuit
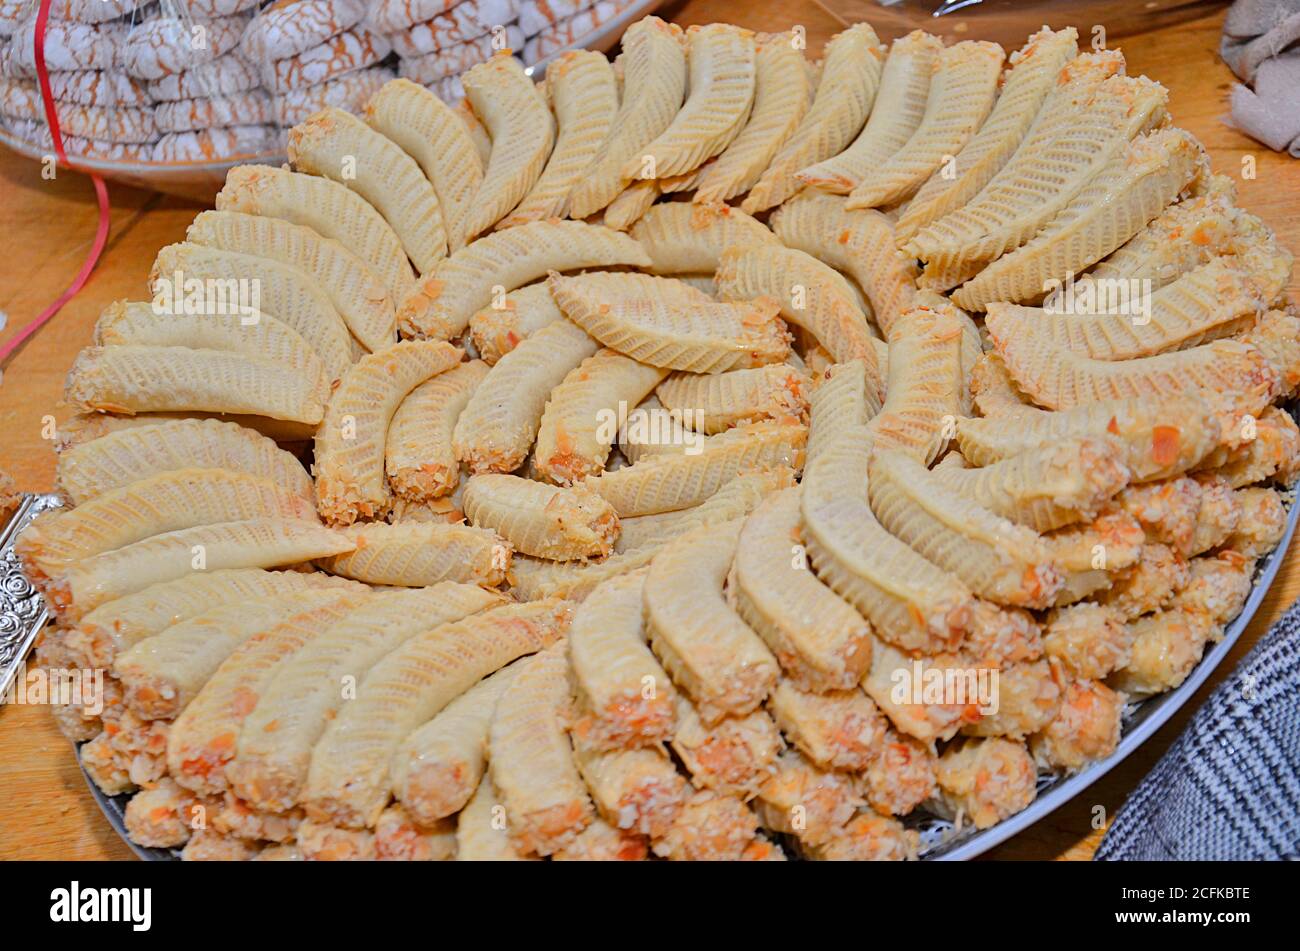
1033	72
358	292
842	103
444	301
523	133
438	139
961	95
782	95
720	60
895	115
338	145
326	207
287	292
654	66
349	464
581	88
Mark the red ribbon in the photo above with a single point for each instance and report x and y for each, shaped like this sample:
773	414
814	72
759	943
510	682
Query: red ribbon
101	194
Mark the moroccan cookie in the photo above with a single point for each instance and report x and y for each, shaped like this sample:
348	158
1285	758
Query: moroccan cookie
91	87
337	56
243	108
167	45
210	145
467	20
224	76
289	27
350	91
455	60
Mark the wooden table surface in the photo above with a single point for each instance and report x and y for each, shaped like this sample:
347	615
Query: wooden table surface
46	811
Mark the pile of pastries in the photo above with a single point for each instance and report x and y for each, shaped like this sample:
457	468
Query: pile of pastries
204	80
709	454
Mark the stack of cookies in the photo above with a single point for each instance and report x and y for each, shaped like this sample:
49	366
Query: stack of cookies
209	80
437	40
104	112
550	26
317	53
209	104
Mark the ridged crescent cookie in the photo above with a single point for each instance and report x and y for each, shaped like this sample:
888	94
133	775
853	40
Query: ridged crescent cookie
843	101
1069	144
1034	69
782	95
258	335
859	242
326	207
358	292
689	238
909	601
1119	201
895	115
578	426
274	751
581	88
654	63
962	93
286	292
101	465
418	454
523	133
720	62
438	139
500	423
1217	300
142	379
656	321
338	145
347	781
1226	373
163	502
444	301
349	465
812	296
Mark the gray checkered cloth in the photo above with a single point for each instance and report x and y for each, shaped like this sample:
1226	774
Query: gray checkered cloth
1229	787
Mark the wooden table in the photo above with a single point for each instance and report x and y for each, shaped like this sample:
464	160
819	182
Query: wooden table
46	811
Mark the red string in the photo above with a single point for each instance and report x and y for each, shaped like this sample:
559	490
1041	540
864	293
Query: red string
101	194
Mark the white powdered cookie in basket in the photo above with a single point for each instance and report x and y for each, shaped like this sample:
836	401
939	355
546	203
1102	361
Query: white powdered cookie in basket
456	59
289	27
341	54
108	124
538	15
224	76
20	99
75	145
87	11
389	16
92	87
571	32
68	45
212	145
243	108
468	20
28	130
211	9
168	45
12	15
35	132
350	91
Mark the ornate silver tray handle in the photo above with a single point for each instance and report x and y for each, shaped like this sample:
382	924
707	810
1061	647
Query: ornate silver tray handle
22	610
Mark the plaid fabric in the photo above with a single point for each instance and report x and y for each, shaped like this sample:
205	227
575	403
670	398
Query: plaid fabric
1229	787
